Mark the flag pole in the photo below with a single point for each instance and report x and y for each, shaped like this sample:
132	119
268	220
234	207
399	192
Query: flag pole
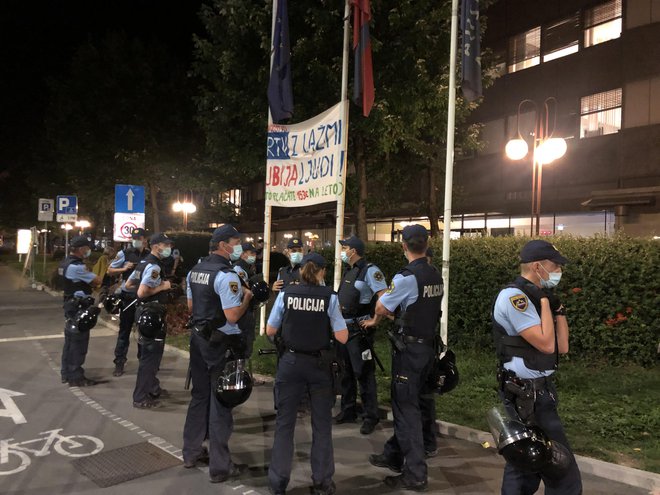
341	200
449	168
267	208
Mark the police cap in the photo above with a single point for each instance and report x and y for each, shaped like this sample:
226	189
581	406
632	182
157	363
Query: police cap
80	241
224	233
138	233
538	250
160	238
315	258
248	246
415	230
294	242
354	242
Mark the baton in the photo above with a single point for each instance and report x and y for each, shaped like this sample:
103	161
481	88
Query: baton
186	385
265	352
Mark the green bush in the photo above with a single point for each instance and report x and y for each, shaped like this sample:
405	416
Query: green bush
611	288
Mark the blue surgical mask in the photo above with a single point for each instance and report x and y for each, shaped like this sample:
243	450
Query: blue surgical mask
238	250
137	244
344	257
87	253
296	258
553	280
251	260
166	252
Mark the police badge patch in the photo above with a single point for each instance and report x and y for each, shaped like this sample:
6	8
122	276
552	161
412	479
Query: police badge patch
378	276
390	289
155	274
233	286
519	302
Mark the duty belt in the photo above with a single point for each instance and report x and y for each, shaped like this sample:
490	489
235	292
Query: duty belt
307	353
411	339
534	383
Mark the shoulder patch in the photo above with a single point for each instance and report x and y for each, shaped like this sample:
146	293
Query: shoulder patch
155	274
519	302
390	289
233	287
378	276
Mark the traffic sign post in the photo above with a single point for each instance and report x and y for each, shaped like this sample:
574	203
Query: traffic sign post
45	210
67	209
129	211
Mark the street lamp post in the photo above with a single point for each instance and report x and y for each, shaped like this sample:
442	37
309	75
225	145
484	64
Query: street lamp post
545	150
185	208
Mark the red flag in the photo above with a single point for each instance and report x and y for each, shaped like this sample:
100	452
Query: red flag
363	85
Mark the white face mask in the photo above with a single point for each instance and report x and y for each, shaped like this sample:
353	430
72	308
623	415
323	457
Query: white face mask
137	244
296	258
251	260
553	279
238	250
345	257
87	253
166	252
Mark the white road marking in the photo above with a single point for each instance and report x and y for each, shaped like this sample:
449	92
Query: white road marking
10	409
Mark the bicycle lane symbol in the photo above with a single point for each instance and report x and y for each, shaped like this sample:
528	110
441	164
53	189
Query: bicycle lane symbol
14	457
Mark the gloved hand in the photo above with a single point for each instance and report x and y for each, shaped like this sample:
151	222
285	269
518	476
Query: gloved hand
556	306
535	292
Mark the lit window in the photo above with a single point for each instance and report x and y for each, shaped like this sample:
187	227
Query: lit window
525	50
232	197
600	114
602	23
561	37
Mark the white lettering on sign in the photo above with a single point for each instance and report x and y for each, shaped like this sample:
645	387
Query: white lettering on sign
9	407
432	291
306	304
200	278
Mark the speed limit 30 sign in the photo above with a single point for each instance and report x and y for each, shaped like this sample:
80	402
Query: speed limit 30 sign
125	223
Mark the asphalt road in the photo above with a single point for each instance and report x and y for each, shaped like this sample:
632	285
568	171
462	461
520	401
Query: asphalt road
75	422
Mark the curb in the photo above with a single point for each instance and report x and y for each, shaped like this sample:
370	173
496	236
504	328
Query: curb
606	470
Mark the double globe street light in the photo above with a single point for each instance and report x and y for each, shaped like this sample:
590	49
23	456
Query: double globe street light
186	207
545	150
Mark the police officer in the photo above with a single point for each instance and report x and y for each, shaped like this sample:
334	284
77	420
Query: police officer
309	317
415	296
152	297
361	284
244	266
78	283
530	331
218	301
290	274
123	265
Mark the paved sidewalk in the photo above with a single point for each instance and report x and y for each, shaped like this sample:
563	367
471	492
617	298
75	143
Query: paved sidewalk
30	345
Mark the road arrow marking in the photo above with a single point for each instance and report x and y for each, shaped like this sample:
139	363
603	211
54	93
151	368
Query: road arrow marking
11	410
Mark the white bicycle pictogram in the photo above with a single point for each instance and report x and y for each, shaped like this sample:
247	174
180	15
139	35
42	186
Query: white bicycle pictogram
14	457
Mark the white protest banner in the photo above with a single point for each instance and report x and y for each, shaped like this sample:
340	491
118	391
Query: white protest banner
305	161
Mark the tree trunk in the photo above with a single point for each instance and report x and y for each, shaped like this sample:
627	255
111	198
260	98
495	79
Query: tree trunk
153	194
361	170
433	207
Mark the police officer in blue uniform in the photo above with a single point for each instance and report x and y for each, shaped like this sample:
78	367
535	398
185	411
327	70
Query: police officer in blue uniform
152	297
123	265
218	301
361	284
307	316
415	297
244	266
530	331
78	283
290	274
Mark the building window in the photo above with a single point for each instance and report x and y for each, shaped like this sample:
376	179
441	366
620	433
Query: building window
600	114
232	197
525	50
602	23
561	38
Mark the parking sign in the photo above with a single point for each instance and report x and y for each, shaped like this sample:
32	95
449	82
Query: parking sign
67	208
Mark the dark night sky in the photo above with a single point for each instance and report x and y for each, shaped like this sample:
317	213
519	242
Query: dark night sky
38	38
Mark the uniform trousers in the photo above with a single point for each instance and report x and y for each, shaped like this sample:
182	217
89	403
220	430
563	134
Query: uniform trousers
74	352
358	371
296	374
126	320
410	371
517	482
205	413
147	385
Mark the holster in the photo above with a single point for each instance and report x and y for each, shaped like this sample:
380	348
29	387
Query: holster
328	359
398	344
521	395
203	330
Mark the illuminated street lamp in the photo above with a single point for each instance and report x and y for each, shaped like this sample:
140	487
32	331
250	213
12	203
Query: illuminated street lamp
186	207
545	150
82	225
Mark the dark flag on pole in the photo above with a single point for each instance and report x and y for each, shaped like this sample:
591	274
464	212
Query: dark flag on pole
470	50
363	86
280	91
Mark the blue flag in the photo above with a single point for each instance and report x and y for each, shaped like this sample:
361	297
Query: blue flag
470	50
280	90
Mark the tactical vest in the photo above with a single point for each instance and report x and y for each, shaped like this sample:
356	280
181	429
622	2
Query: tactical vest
150	259
305	323
247	267
134	256
290	275
349	296
420	319
207	306
71	287
508	346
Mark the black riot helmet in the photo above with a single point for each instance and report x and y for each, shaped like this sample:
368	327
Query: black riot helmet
150	325
234	385
444	376
260	291
86	318
113	304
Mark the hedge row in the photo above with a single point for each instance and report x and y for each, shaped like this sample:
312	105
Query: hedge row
611	288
